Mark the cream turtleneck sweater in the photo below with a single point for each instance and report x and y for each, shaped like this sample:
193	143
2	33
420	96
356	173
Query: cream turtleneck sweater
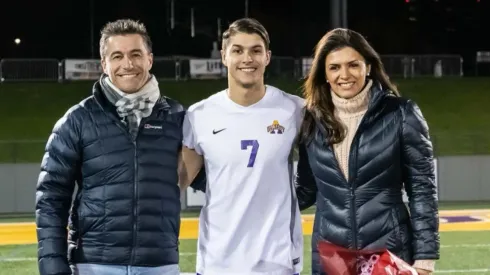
350	112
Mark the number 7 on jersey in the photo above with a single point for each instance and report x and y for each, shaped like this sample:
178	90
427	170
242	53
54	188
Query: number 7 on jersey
255	147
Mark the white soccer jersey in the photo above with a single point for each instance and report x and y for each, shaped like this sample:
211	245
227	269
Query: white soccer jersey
250	222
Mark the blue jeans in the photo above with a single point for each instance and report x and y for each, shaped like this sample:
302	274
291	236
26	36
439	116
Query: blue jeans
97	269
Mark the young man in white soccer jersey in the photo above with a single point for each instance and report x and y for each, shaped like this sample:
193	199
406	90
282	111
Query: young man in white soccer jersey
250	222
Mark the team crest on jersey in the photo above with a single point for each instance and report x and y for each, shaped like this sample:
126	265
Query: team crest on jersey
275	128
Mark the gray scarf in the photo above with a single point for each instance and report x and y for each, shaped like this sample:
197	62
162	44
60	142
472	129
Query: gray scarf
132	107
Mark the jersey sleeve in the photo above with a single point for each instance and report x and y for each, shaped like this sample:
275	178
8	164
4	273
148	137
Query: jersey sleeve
300	111
190	139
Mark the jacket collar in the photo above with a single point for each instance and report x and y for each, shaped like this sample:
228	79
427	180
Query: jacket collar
377	94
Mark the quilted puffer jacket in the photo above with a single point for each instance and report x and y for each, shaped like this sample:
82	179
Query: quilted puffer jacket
390	151
127	208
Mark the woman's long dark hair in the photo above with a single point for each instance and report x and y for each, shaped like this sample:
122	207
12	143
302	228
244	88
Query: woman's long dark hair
316	90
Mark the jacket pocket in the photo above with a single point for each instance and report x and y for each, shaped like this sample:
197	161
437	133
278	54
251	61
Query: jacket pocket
396	228
170	221
78	223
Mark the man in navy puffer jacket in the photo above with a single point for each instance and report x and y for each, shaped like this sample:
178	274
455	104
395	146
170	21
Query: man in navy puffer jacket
121	148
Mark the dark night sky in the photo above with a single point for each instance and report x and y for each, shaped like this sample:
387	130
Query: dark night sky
61	28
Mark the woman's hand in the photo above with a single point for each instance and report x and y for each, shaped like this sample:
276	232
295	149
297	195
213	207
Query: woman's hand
423	271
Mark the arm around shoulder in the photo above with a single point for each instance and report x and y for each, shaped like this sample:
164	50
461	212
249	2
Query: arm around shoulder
191	162
191	170
306	188
419	180
60	168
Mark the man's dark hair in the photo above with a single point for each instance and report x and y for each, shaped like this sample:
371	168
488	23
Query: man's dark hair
246	25
123	27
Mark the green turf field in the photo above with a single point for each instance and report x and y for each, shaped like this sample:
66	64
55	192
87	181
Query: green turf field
456	110
194	212
461	252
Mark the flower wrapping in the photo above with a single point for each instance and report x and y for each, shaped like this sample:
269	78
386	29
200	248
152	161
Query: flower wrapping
336	260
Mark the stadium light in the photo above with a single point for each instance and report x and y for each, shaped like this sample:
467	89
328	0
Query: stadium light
92	32
246	8
172	14
193	28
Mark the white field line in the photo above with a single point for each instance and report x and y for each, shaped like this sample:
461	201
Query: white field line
465	245
451	271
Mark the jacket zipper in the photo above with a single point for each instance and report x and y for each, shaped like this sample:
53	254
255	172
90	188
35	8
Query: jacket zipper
135	185
352	177
352	160
135	190
350	183
353	172
135	198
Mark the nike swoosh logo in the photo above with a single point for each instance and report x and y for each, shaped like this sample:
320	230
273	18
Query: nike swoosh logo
215	132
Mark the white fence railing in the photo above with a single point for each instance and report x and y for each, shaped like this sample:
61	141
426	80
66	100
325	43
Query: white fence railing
31	70
171	68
